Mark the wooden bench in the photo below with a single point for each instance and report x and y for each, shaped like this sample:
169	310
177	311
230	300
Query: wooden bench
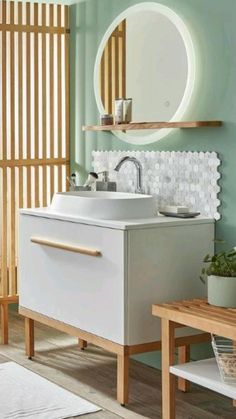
199	315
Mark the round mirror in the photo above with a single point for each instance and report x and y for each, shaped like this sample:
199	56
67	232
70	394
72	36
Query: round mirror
146	54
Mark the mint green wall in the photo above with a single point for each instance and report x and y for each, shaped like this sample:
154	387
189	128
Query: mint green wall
214	32
212	24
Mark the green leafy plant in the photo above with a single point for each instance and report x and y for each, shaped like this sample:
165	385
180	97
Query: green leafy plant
221	264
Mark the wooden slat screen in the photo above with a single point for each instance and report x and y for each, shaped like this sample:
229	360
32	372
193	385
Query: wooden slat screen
113	68
34	118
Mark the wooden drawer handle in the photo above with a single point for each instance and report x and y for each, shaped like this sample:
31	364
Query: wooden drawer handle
64	246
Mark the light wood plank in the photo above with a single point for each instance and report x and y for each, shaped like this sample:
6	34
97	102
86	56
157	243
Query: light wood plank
168	380
183	357
44	108
122	79
4	323
198	322
67	91
4	238
36	106
29	337
33	162
20	104
28	106
59	98
51	96
12	208
109	76
123	379
33	29
152	125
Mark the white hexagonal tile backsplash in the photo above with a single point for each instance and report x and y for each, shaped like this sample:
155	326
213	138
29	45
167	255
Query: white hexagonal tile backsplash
173	177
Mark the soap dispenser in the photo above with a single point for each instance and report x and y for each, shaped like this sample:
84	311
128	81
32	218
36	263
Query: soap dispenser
105	184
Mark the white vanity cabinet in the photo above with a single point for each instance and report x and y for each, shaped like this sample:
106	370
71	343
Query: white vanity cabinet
110	295
107	299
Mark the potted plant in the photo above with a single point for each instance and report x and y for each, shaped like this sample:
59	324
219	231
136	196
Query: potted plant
221	278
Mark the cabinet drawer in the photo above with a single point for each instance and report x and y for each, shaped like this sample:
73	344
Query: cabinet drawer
73	273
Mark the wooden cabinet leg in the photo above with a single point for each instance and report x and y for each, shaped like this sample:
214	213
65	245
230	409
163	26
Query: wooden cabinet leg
82	344
123	379
168	380
29	337
4	323
183	356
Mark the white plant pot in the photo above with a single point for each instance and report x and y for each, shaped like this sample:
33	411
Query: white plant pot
222	291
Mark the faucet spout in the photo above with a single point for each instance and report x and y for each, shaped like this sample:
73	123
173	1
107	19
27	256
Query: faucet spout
136	162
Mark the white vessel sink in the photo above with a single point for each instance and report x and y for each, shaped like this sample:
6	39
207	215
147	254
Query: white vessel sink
104	205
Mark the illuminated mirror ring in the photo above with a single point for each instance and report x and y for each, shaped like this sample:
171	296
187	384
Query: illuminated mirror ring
180	25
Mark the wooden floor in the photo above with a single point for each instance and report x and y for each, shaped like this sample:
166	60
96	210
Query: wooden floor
92	375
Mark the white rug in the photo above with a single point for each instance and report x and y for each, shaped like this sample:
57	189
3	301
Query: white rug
24	394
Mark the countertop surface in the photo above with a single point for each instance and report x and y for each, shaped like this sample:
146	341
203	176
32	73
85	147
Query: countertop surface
132	224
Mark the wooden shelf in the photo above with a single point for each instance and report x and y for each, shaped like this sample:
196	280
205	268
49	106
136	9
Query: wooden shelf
152	125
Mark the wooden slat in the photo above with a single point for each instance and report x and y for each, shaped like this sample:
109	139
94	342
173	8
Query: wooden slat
4	323
29	337
116	59
3	201
9	299
106	80
102	80
59	98
44	108
4	86
207	308
123	60
28	105
168	380
33	162
113	68
109	80
203	307
12	83
12	235
36	106
20	104
183	357
67	91
51	96
196	320
18	165
33	29
179	342
194	310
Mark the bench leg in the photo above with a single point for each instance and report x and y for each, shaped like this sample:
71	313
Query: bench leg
29	337
4	323
168	380
183	357
123	379
82	344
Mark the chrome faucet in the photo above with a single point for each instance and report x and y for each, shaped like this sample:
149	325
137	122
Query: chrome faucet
139	188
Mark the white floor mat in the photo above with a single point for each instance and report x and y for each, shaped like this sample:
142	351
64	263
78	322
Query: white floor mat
24	394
